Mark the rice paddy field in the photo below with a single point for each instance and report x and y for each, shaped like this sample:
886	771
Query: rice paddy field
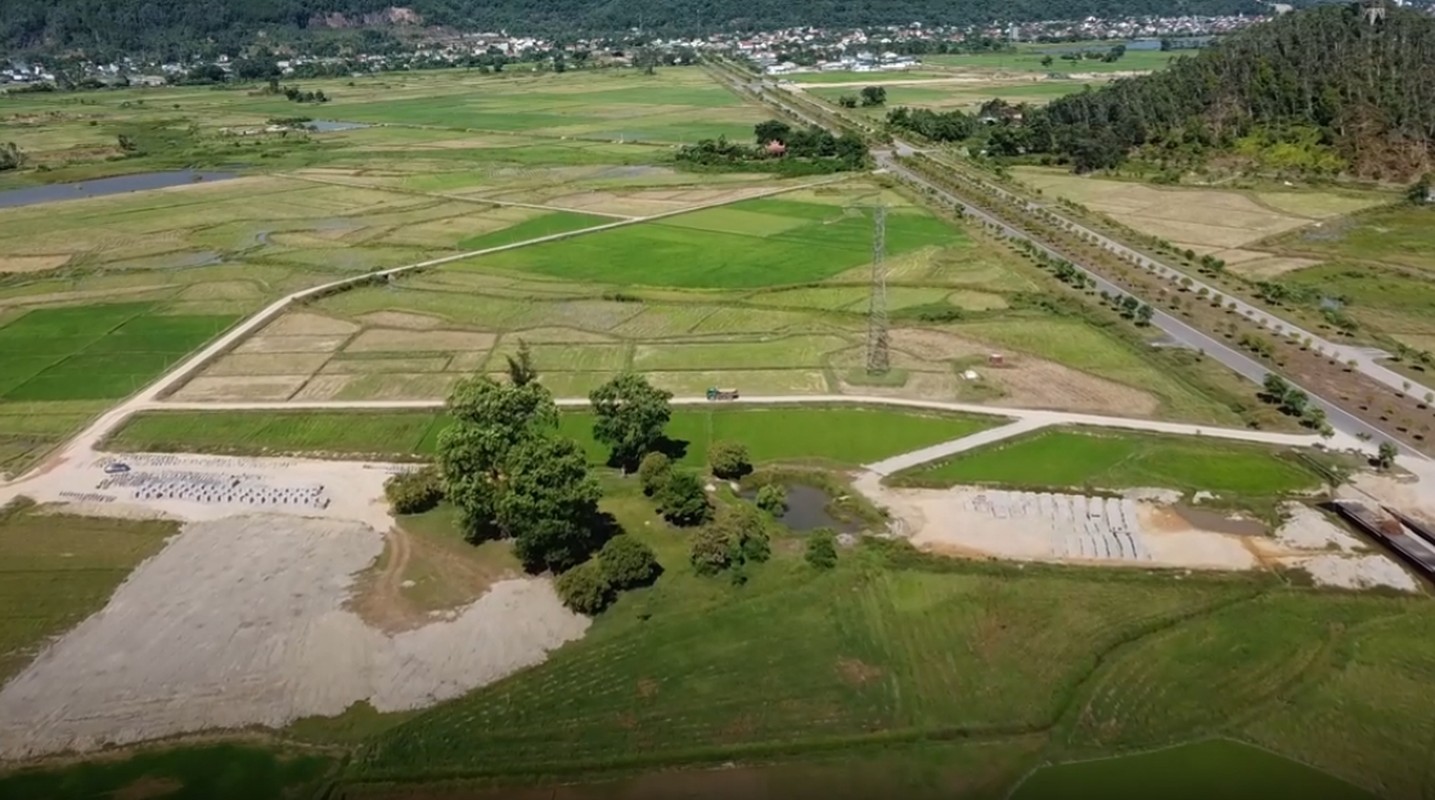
1063	459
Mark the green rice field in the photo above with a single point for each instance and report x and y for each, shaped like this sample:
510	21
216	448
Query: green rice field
842	436
748	244
99	352
1111	460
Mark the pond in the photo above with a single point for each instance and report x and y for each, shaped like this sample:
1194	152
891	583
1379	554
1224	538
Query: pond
809	508
1217	768
334	125
140	182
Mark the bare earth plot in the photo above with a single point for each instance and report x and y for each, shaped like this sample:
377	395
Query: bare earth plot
1209	221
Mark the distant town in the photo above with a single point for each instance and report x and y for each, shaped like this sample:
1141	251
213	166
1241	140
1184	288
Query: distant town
891	48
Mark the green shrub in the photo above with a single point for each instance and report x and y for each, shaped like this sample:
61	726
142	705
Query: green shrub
627	562
653	472
729	460
772	498
414	492
682	500
711	551
584	589
822	548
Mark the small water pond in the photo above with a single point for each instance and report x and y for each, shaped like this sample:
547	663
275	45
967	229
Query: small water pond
810	508
100	187
334	125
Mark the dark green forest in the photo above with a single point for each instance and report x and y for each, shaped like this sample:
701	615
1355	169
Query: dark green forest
1320	91
158	25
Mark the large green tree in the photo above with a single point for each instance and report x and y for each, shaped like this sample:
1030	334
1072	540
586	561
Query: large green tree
489	421
549	504
629	416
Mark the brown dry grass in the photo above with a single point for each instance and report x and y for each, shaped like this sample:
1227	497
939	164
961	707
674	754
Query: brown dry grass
1033	383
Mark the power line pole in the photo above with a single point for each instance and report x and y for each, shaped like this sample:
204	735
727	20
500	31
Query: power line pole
879	357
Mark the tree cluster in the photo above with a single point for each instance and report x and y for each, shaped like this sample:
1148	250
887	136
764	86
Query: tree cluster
11	156
737	538
1295	403
800	151
623	563
511	476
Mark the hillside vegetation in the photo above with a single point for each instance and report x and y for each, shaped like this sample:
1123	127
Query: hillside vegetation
1319	91
135	24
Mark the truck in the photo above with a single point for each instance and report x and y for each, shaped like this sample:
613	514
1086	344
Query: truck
715	393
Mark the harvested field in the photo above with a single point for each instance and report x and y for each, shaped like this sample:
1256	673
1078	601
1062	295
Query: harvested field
402	320
1032	383
303	323
22	264
374	340
324	387
263	387
266	364
228	627
267	343
1192	217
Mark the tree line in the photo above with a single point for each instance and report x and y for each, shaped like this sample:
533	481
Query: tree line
1318	91
153	25
780	147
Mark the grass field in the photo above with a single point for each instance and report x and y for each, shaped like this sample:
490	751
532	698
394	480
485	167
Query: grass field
1028	59
1213	768
894	648
59	570
1109	460
778	434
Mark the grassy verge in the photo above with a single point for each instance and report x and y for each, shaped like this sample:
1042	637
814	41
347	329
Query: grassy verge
843	436
215	772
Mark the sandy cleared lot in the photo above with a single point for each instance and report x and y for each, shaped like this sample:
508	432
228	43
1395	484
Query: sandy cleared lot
1141	529
243	619
241	622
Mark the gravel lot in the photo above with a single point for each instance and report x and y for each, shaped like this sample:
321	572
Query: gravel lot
241	621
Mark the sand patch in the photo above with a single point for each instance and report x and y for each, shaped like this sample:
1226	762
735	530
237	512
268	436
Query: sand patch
254	387
376	340
241	622
22	264
304	323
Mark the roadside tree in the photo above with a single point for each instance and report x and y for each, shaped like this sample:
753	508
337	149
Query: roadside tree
629	417
1385	456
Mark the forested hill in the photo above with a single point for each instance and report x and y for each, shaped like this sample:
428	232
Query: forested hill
1320	89
151	24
